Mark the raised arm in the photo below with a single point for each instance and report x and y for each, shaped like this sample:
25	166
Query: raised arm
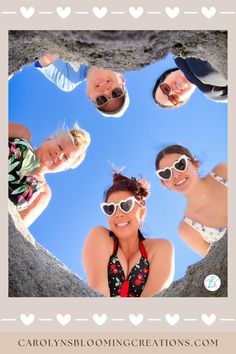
161	271
36	208
16	130
61	73
193	239
96	255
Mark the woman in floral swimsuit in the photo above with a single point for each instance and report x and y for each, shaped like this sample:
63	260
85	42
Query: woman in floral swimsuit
120	262
27	186
205	216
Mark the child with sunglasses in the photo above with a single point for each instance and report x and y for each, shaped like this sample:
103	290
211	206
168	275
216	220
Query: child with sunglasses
120	262
205	216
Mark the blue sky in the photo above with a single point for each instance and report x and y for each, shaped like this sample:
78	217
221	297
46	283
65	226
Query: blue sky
132	141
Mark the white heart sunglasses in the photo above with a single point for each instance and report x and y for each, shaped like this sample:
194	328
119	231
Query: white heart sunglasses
180	165
125	206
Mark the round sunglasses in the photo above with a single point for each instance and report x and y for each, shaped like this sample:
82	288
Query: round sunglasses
180	165
102	100
173	98
125	206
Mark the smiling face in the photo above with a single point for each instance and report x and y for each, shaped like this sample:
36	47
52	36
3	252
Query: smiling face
125	224
181	181
102	82
174	88
58	153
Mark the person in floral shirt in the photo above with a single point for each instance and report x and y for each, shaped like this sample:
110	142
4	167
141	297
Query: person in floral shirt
120	262
27	187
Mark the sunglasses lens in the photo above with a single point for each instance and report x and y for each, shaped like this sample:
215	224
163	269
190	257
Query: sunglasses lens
117	92
108	209
166	174
165	88
101	100
181	165
174	99
127	205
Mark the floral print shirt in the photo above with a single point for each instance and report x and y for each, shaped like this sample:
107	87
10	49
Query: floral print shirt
136	279
22	161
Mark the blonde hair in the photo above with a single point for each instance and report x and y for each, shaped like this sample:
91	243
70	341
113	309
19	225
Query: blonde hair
80	138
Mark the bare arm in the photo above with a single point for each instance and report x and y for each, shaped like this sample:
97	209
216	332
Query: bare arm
221	170
16	130
96	254
193	239
47	59
161	271
36	208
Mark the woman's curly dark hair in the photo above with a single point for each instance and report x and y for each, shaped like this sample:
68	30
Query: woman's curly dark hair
138	187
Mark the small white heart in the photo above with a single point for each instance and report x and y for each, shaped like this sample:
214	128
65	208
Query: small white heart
27	13
99	320
208	13
208	320
63	13
172	319
27	320
172	13
100	13
63	320
136	320
136	13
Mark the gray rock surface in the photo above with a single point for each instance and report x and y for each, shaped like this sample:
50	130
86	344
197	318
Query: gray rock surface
117	50
33	271
193	282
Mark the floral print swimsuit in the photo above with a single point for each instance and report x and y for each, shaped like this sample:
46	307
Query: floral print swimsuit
23	188
136	279
209	234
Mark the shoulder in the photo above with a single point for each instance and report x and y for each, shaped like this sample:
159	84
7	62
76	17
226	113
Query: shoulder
159	245
221	170
98	235
45	194
98	231
16	130
46	190
98	242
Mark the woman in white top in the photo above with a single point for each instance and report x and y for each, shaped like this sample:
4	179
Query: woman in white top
205	216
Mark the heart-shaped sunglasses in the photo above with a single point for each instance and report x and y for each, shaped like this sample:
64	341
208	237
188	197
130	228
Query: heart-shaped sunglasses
180	165
125	206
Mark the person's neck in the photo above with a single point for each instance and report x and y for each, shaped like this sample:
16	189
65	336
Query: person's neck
198	195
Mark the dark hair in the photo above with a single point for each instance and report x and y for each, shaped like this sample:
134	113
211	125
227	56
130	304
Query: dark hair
173	149
158	82
138	187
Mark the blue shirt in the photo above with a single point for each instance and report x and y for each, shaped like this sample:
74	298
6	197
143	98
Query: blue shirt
63	74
